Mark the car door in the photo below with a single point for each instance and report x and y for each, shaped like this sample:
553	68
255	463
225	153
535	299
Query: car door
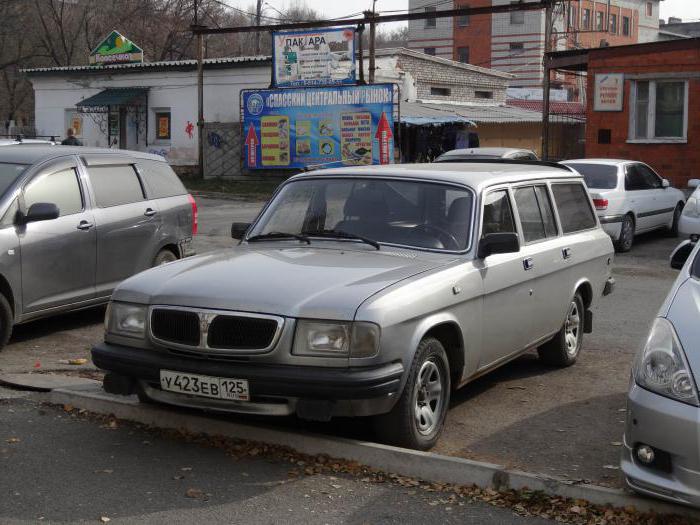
127	222
506	283
57	255
664	202
640	197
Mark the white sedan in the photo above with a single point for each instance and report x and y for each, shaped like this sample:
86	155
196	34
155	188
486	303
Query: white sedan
690	219
630	198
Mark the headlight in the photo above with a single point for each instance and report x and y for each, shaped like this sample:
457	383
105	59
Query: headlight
691	208
661	366
336	339
126	319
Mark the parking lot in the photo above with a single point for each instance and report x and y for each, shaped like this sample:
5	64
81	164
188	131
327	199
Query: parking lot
566	423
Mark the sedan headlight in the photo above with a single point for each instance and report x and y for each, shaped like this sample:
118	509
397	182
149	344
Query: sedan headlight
692	208
126	319
661	366
336	339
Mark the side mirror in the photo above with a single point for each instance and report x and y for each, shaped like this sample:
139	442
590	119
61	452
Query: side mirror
239	229
493	243
41	211
680	254
693	183
665	183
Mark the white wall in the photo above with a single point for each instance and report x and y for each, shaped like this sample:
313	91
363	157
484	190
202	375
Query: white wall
57	94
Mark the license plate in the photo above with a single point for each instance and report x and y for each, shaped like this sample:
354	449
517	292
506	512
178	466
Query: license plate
205	386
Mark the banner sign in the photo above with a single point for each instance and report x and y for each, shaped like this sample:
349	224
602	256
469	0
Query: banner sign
116	49
608	91
321	57
329	127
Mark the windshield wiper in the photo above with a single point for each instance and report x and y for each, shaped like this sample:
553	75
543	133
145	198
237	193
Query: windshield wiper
340	234
269	236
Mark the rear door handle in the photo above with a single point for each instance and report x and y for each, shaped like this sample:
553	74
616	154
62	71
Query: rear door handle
85	225
150	212
528	264
566	253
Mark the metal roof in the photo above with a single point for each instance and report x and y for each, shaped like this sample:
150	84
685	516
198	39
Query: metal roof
473	114
116	97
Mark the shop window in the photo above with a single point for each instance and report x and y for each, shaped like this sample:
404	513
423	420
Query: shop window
626	26
517	17
613	24
463	21
516	48
162	125
483	94
463	54
431	21
586	19
429	51
659	110
440	91
599	21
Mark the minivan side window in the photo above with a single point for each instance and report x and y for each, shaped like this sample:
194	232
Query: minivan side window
60	188
498	215
575	212
160	179
535	212
115	185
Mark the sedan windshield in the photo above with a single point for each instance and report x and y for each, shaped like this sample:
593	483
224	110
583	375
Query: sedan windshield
407	213
9	174
597	176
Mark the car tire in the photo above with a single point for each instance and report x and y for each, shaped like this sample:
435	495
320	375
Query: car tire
673	230
417	419
626	239
6	321
164	256
563	349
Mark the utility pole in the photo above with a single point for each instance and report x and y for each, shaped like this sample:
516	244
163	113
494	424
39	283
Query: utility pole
546	83
258	14
200	91
372	37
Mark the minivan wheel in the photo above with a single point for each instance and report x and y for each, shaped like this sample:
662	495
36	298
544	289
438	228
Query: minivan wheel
624	243
6	321
418	417
563	349
164	256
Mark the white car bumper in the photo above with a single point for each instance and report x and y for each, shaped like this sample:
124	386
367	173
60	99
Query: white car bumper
611	224
688	226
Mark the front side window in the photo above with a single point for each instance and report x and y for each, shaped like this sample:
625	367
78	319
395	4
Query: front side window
60	188
635	180
430	21
9	173
651	178
498	215
659	110
535	213
575	212
115	185
407	213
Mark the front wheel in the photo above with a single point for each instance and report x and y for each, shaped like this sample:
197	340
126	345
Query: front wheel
563	349
164	256
418	417
6	321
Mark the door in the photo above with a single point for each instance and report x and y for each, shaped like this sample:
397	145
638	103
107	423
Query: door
640	195
127	223
507	298
58	255
664	202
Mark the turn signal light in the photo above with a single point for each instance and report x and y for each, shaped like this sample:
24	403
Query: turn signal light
600	204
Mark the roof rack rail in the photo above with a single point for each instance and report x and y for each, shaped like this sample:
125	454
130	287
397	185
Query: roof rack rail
548	163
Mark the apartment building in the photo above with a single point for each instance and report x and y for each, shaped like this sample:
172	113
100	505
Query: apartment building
514	42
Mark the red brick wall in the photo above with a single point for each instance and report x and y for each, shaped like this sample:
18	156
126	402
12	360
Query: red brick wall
476	36
617	39
677	162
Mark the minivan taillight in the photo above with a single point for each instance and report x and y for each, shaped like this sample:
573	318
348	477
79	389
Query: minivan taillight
193	203
600	204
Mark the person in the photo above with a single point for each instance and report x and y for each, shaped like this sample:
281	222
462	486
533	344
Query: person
71	140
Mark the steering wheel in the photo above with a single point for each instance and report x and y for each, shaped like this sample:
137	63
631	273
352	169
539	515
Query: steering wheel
448	241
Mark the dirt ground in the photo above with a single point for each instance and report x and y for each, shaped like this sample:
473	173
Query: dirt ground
565	423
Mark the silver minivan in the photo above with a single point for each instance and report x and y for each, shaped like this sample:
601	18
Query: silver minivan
75	222
368	291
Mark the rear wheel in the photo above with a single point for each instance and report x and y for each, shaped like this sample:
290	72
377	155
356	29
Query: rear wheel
164	256
564	348
6	321
417	419
626	239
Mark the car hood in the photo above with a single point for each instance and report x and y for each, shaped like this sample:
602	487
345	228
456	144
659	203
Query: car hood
310	282
684	314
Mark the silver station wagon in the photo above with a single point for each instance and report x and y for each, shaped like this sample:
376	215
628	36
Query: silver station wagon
75	222
369	291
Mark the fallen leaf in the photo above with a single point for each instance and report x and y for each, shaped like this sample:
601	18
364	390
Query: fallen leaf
616	443
178	477
68	408
611	467
13	440
105	519
80	361
104	471
194	493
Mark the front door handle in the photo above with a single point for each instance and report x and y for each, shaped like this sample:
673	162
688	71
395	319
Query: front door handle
528	264
150	212
566	253
85	225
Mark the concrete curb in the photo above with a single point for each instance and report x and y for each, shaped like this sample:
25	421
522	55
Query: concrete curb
405	462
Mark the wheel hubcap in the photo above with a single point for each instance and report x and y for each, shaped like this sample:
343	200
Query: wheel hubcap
429	399
571	329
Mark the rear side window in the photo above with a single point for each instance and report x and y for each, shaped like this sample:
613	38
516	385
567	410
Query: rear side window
160	179
498	215
535	211
598	176
115	185
575	212
60	188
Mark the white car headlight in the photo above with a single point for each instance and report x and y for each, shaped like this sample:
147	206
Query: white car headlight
336	339
692	208
661	366
126	319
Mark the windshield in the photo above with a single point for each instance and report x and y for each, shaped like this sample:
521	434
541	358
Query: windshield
9	174
407	213
598	176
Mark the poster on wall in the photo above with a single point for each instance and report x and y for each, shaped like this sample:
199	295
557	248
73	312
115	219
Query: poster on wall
314	58
608	91
325	127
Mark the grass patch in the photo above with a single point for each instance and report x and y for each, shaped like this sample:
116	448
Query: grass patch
250	189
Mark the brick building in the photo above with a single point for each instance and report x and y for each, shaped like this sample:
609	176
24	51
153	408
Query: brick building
651	111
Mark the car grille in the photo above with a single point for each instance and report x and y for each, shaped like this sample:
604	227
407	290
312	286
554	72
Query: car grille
238	333
176	326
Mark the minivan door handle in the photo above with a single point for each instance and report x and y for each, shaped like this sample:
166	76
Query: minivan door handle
85	225
566	253
150	212
528	264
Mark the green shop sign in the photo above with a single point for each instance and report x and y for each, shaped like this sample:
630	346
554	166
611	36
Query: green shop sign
116	49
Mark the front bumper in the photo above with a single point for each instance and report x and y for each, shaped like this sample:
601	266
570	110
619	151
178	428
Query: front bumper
668	426
688	226
311	392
